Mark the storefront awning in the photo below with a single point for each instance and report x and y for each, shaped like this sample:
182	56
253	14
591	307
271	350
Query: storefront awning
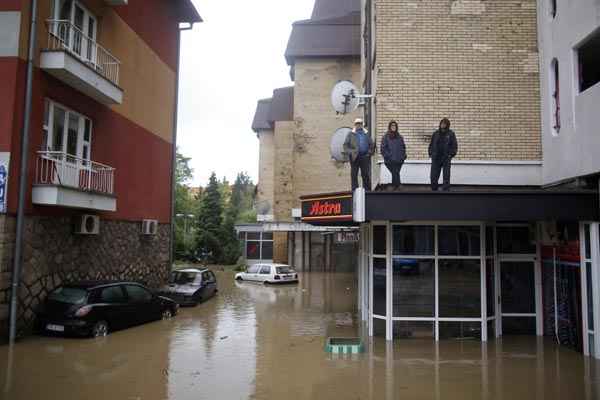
483	205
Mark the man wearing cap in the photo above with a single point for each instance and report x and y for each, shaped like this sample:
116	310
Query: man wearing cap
359	148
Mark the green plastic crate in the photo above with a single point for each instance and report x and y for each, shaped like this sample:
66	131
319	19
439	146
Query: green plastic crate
344	345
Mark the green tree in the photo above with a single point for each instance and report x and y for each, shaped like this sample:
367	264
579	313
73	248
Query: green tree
186	207
210	230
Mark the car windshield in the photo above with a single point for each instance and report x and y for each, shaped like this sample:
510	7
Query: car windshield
68	295
285	270
182	278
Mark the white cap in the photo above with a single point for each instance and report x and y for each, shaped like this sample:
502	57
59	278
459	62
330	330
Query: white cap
358	121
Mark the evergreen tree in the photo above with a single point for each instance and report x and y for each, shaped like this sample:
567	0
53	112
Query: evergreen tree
210	232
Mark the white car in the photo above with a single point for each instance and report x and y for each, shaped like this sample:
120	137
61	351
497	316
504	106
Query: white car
268	273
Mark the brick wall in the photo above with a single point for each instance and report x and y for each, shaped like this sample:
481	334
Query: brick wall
315	123
475	62
266	169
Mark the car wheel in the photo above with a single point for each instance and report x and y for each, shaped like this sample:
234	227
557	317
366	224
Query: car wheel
100	329
167	314
239	278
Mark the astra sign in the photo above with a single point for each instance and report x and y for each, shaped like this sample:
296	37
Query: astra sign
327	208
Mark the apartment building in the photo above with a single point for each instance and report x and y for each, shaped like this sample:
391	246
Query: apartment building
294	128
513	247
104	86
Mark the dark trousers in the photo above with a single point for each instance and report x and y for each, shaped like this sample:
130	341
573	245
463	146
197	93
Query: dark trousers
394	168
364	164
436	168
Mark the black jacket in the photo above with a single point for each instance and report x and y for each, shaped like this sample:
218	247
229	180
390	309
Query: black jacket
443	145
393	148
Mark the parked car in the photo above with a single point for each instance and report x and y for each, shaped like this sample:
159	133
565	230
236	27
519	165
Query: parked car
96	308
188	287
268	273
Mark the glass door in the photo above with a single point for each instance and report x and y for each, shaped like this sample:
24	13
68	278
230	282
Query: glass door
517	297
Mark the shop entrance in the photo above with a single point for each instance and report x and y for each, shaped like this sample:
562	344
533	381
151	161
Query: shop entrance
517	297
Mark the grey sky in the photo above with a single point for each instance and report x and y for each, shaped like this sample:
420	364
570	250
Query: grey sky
229	62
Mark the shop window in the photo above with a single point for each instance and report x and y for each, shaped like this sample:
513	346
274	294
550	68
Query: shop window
460	330
590	295
253	250
490	278
379	239
378	327
413	330
253	235
413	240
588	56
267	250
489	241
516	240
414	287
379	286
267	236
459	288
555	92
459	240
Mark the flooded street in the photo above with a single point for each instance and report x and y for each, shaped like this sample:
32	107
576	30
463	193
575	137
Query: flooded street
266	342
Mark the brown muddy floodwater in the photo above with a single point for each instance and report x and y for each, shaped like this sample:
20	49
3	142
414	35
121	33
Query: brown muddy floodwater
266	342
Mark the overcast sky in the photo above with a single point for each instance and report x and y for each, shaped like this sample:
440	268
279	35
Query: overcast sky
229	62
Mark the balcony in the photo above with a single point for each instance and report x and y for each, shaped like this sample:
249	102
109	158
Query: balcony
67	181
80	62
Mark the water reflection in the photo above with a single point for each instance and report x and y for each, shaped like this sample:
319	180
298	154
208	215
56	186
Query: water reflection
266	342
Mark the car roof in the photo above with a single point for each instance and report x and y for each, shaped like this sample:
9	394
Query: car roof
89	285
191	270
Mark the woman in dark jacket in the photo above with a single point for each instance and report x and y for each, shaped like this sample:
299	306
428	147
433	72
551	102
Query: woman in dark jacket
393	151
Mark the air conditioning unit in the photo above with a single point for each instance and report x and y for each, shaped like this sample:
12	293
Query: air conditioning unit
87	224
149	227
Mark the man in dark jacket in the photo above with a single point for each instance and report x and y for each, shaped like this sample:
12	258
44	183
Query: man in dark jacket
393	151
359	148
442	148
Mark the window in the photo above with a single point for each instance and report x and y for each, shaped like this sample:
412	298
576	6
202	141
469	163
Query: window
413	240
208	277
265	270
182	278
252	250
68	295
253	269
77	28
588	58
66	131
112	294
459	240
555	93
138	294
259	245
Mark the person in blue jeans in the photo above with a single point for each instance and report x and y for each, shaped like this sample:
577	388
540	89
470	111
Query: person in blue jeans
359	148
393	151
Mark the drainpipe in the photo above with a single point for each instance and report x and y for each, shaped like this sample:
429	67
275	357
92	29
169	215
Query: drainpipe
18	255
174	147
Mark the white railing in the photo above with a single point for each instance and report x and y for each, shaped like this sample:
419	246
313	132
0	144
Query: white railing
63	35
58	168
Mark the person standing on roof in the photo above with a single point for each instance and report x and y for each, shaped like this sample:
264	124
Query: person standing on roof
359	148
393	151
442	149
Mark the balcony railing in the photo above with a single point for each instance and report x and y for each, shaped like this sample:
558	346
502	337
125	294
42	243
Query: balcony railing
63	35
58	168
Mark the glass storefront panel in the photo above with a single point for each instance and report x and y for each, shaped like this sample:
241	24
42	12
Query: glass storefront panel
588	241
252	250
267	236
518	287
459	288
413	240
489	241
490	278
591	342
253	236
518	326
590	295
413	330
413	287
491	329
379	240
460	330
459	240
379	286
267	251
515	240
378	327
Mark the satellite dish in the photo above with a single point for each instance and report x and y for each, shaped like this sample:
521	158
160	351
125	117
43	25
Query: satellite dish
344	97
263	207
337	144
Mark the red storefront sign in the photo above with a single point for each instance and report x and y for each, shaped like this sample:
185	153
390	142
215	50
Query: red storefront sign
323	208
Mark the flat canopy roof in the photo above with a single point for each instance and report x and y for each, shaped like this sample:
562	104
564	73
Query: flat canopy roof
484	205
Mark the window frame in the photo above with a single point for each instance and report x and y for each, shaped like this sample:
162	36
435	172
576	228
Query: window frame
49	134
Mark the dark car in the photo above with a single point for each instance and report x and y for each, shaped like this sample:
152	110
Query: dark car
96	308
188	287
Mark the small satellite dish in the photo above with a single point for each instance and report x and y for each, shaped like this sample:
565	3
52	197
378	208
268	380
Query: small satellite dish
344	97
263	207
337	144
